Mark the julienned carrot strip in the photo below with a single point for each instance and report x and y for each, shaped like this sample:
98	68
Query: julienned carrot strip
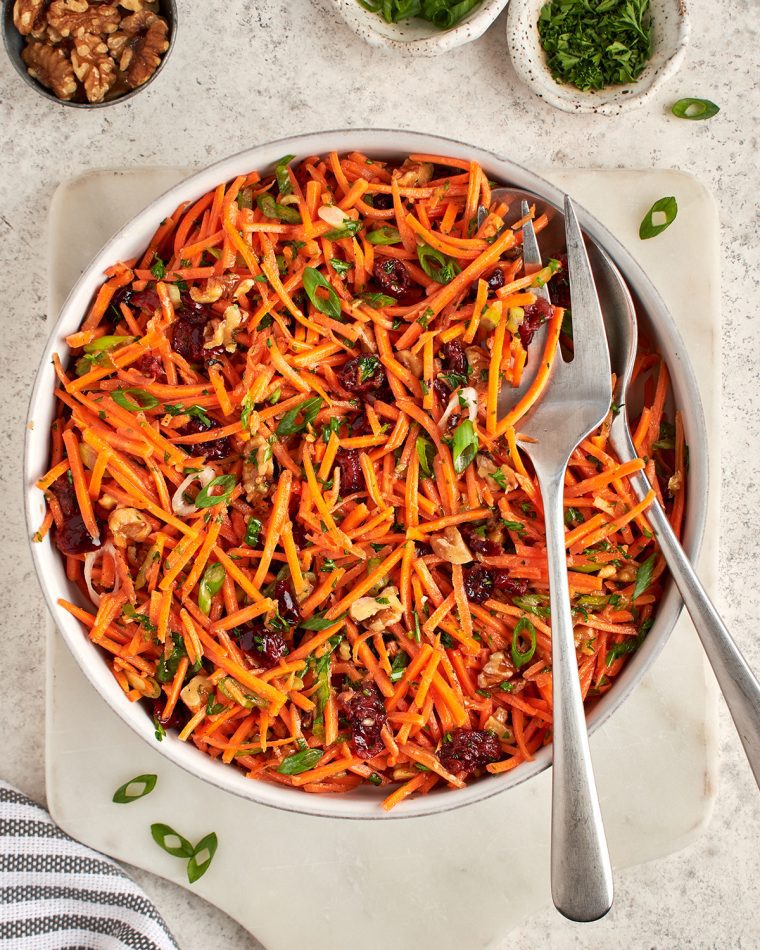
347	510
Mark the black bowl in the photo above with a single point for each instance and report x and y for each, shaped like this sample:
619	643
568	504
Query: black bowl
14	43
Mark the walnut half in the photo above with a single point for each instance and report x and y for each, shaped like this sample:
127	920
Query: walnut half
93	67
50	66
137	47
77	17
28	16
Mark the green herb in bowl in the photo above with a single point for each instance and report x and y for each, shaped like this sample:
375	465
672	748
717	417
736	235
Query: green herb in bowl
441	13
591	44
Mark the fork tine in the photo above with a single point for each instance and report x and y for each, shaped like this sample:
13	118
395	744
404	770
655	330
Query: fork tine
589	337
531	253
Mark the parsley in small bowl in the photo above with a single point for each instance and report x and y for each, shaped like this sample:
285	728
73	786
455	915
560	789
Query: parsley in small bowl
601	56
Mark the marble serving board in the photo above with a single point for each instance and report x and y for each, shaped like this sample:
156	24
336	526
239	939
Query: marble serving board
458	880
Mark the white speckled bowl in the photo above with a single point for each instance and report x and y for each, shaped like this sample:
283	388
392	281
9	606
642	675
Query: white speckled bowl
415	36
670	37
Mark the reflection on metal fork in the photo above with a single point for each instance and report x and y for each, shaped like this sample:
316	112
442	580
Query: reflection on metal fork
575	402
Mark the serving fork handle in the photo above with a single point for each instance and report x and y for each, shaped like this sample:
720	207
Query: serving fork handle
738	683
581	874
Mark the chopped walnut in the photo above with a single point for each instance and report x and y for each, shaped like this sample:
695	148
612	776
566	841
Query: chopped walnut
487	468
210	293
93	66
497	723
50	66
258	469
77	17
451	547
138	45
222	332
28	16
498	668
412	362
415	174
675	484
382	611
196	693
478	360
128	524
134	6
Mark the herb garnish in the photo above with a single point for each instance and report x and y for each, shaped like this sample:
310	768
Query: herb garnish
660	216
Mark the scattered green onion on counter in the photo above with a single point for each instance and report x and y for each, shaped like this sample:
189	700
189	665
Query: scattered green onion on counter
694	109
660	216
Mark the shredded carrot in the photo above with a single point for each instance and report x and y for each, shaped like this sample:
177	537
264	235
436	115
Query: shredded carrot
313	510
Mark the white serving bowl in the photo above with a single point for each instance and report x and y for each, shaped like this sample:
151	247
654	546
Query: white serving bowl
129	242
670	37
417	37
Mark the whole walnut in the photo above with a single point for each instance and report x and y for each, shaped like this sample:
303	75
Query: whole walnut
138	45
51	66
77	17
93	66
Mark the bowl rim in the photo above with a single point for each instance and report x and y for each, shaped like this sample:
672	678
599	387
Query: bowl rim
134	236
18	64
468	30
529	63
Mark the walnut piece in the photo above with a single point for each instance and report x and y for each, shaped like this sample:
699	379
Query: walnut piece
222	332
134	6
415	174
77	17
138	46
210	293
381	611
451	547
93	66
28	16
258	469
128	524
50	66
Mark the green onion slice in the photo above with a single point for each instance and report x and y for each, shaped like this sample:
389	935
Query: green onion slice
210	585
465	445
327	303
252	532
104	343
386	235
137	787
643	577
171	841
523	627
202	856
694	109
204	498
300	762
436	265
425	454
143	399
667	207
281	174
272	209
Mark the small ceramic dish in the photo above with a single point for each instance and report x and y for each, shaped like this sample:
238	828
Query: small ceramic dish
670	37
14	44
415	36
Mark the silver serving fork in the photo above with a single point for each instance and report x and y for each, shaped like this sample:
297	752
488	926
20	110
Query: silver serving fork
576	400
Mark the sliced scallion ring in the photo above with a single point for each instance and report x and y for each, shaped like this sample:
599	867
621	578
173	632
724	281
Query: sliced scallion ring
204	498
300	762
210	585
523	628
694	109
142	399
436	265
385	235
171	841
327	303
137	787
202	856
660	216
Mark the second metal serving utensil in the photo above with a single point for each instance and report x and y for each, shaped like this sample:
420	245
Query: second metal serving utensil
739	685
575	402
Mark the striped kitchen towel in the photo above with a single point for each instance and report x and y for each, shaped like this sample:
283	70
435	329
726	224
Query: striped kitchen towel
56	894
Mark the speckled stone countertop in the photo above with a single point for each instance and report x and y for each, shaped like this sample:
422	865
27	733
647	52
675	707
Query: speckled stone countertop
245	72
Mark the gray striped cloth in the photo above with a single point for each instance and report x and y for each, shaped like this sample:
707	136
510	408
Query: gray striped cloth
55	894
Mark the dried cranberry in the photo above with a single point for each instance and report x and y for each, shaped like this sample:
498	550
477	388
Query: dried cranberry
535	315
351	475
478	584
559	288
503	582
287	606
149	365
393	277
363	375
265	647
72	537
382	202
495	279
478	544
366	715
215	449
359	425
189	330
173	720
144	300
454	358
469	749
442	391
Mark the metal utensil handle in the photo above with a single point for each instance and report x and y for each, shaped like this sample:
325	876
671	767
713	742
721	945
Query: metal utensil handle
737	681
580	865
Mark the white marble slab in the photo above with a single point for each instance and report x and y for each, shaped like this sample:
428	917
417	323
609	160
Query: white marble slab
460	880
